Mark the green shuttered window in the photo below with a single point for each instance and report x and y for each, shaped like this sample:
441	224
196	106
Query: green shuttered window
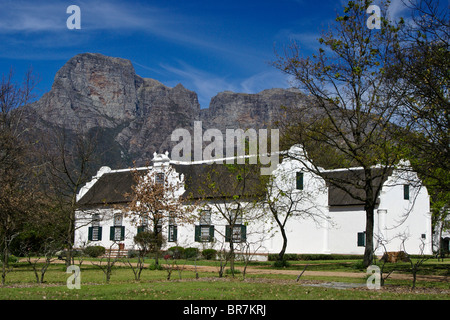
117	233
236	234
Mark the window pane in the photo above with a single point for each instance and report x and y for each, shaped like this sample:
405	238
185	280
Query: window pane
236	234
236	217
205	217
96	220
172	220
204	233
95	234
118	220
117	234
159	178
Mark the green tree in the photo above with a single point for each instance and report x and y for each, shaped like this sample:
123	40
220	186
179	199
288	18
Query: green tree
348	121
421	79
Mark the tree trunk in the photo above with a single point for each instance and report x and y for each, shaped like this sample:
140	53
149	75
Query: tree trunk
283	248
231	257
368	252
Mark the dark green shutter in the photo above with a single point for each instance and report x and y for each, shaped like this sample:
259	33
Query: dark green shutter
211	233
140	229
227	233
197	234
111	233
90	234
122	233
99	233
174	233
243	233
406	192
361	239
299	180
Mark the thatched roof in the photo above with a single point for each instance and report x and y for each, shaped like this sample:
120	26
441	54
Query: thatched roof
110	188
202	181
218	181
346	187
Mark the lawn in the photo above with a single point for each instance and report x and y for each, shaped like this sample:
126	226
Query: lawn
153	285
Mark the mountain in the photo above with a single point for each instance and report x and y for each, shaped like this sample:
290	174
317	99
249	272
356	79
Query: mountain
134	116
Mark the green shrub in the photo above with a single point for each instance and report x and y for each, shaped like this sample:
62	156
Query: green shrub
312	257
132	254
154	267
209	254
281	264
190	253
287	256
176	252
230	272
94	251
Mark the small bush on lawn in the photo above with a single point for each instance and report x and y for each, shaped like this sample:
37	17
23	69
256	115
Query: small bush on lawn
209	254
176	252
191	253
94	251
281	264
231	272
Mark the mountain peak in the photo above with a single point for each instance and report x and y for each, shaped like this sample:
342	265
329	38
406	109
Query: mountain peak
136	115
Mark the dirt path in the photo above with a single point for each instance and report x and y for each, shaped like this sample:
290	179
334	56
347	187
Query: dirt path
294	273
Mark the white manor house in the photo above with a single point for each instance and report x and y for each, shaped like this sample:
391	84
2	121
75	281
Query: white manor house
324	219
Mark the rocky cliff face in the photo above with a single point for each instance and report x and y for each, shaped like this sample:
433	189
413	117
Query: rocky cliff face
240	110
135	116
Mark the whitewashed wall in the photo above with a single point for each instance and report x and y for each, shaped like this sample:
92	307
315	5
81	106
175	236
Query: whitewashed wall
332	230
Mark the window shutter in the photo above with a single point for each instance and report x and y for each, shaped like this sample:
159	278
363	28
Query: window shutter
299	180
111	233
361	239
243	233
99	233
122	233
140	229
406	192
197	234
174	233
211	233
227	233
90	234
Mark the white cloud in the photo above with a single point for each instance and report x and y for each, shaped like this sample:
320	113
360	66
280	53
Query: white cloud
207	84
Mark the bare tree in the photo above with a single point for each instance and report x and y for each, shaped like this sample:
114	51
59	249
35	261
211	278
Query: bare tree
107	262
234	193
147	243
41	258
415	266
156	198
67	163
291	195
16	195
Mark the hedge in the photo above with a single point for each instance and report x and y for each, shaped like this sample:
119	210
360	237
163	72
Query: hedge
311	257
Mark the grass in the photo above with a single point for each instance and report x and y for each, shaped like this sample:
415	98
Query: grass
20	284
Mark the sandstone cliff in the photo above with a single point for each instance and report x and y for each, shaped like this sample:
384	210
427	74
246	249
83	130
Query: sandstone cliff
135	116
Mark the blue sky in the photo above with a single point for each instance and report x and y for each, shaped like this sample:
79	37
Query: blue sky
208	46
